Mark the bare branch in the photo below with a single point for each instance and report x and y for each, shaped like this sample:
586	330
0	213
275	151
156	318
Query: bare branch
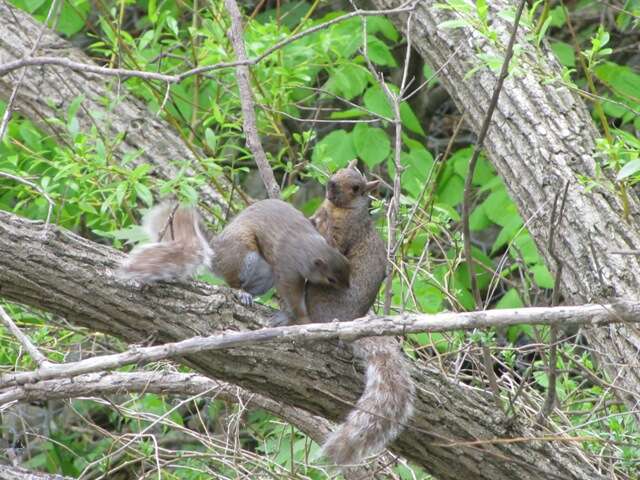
126	73
17	473
586	315
250	127
162	383
38	357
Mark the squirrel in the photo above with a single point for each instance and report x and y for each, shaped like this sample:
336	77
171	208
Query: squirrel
268	243
387	402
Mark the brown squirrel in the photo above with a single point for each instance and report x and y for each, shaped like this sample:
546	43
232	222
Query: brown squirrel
387	402
270	242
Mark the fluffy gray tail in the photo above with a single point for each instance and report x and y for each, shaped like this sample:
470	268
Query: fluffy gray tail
177	250
382	410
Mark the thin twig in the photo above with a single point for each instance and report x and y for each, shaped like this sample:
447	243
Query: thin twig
36	188
31	349
552	372
585	315
126	73
246	101
466	202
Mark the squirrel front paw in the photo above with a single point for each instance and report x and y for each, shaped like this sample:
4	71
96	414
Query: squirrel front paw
245	298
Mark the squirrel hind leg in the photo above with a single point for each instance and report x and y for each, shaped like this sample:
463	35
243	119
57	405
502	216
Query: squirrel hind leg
256	276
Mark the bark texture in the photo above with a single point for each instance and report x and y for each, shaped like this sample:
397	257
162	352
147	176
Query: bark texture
67	275
540	137
17	473
47	92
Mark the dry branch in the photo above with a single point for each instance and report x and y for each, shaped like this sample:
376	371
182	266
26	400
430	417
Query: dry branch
250	127
72	277
587	315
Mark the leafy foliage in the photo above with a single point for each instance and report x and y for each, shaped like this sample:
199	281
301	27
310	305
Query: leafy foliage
323	76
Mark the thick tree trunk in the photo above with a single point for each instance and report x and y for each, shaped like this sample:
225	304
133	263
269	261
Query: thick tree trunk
47	92
542	136
64	274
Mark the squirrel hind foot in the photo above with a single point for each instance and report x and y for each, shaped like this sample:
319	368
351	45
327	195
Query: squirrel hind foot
279	319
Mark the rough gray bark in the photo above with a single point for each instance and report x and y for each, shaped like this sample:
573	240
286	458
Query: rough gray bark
17	473
73	277
48	91
542	136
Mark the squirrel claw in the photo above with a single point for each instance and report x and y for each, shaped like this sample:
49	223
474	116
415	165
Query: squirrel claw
245	298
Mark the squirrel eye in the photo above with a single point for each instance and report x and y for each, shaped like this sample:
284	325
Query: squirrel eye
356	188
331	280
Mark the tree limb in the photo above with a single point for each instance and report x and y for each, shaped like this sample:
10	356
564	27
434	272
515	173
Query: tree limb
74	278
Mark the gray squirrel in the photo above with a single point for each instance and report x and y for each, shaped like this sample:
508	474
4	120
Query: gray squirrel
387	401
344	260
269	243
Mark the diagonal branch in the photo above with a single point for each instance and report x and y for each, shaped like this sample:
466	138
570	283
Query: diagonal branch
236	35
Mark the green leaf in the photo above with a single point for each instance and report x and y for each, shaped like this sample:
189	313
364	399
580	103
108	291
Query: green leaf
483	172
629	169
525	248
482	9
348	80
478	219
565	53
384	26
500	208
334	150
210	138
450	24
621	78
542	276
376	101
72	17
507	233
144	194
511	299
372	144
409	119
152	11
451	191
379	52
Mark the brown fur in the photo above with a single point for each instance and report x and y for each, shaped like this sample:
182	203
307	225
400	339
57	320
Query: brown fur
387	401
290	244
268	243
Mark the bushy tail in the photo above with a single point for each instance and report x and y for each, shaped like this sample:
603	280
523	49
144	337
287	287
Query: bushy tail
382	410
177	250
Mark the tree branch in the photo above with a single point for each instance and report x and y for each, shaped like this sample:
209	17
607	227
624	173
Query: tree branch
236	35
74	278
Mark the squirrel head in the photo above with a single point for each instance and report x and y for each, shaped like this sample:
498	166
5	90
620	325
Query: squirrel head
348	187
331	269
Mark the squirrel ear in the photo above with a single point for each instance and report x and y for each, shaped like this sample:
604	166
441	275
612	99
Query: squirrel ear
353	163
372	185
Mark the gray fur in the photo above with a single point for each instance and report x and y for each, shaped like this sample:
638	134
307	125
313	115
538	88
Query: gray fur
382	411
256	276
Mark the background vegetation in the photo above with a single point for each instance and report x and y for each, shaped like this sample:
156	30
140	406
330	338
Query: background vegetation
319	106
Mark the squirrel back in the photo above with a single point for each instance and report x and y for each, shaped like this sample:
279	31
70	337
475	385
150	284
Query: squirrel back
387	401
177	250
